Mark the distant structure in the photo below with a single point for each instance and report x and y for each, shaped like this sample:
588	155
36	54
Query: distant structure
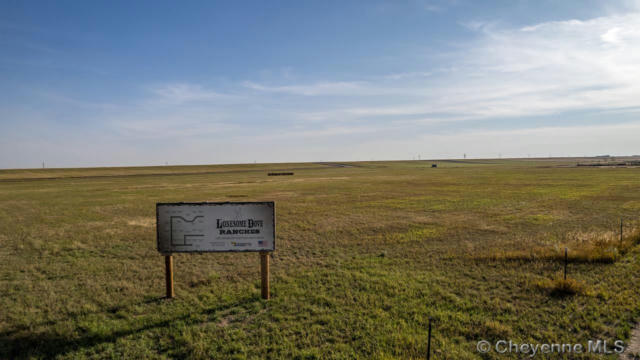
465	155
43	164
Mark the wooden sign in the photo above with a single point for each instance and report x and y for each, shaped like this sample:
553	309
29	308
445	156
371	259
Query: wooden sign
216	227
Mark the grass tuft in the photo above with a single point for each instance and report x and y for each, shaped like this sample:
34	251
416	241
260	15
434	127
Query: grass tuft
562	288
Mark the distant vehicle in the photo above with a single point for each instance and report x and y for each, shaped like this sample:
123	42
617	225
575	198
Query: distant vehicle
434	165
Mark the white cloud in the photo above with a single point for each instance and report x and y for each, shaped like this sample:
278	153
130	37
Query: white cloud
611	36
548	68
543	69
338	88
184	92
409	75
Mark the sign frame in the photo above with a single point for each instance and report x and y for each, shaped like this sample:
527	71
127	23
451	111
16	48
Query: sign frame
271	204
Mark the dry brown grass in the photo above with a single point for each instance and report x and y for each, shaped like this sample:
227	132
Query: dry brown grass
142	221
582	247
561	287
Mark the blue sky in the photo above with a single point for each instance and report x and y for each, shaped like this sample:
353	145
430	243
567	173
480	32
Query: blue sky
144	83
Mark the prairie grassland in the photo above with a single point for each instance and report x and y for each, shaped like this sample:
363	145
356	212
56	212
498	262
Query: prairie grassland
366	255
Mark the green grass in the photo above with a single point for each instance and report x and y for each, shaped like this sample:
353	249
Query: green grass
366	255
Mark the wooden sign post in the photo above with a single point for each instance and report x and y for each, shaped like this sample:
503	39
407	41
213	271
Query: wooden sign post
264	272
216	227
168	264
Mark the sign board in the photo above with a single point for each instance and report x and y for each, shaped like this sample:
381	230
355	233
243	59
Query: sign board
215	227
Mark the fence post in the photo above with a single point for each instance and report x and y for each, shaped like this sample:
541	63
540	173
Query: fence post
565	263
429	342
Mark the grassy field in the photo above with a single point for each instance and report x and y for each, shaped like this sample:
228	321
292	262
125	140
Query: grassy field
366	256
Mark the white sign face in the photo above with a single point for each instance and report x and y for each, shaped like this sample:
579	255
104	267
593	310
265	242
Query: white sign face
209	227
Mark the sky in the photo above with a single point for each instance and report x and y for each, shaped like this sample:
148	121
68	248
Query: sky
123	83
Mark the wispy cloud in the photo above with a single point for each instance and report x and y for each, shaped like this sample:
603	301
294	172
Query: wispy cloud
548	68
409	75
502	75
184	92
544	69
336	88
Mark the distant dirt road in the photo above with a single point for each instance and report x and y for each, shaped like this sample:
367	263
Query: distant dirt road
214	172
335	164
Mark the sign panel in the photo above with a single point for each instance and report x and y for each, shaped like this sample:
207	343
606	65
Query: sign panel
211	227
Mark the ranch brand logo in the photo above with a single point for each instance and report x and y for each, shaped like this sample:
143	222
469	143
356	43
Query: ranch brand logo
239	227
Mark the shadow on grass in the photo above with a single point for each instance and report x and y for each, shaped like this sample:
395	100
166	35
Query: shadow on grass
76	315
20	343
